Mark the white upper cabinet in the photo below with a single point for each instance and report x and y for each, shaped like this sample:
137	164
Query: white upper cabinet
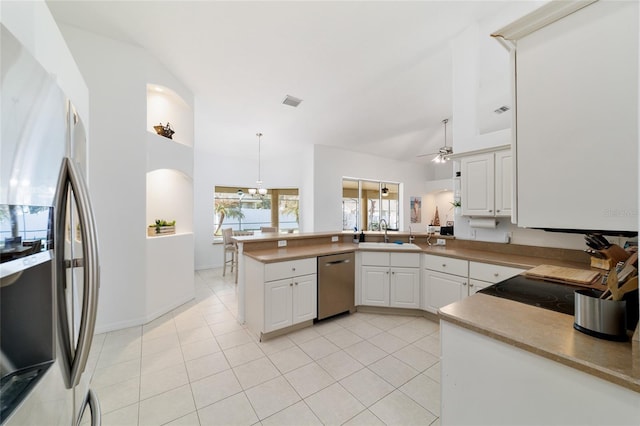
576	144
486	182
504	182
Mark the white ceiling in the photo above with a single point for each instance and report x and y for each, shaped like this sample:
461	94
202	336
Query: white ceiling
374	76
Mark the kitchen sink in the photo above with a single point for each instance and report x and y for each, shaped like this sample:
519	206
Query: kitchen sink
388	246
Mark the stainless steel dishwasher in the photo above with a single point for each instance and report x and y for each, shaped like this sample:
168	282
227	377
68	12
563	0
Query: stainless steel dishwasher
336	284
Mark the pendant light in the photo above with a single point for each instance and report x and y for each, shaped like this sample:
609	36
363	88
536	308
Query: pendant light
385	191
259	189
445	151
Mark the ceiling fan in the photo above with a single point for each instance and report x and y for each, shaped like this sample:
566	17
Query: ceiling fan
444	152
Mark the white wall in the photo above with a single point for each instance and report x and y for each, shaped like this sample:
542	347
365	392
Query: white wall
281	168
332	164
117	75
317	171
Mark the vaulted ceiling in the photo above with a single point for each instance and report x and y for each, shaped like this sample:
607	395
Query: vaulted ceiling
373	76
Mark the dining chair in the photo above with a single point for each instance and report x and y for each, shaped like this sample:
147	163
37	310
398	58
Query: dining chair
230	247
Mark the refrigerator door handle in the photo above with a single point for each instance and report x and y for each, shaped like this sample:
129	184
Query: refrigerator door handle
75	363
94	406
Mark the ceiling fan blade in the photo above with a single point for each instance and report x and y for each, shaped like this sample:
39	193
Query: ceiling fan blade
427	155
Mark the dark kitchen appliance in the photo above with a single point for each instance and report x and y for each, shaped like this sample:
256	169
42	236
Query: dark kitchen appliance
552	296
543	294
336	284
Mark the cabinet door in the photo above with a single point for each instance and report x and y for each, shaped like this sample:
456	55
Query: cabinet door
442	289
579	171
504	179
405	288
375	286
277	304
447	265
305	298
406	260
289	268
492	273
477	285
477	181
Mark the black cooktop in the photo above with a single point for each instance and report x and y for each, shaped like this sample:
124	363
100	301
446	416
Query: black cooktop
543	294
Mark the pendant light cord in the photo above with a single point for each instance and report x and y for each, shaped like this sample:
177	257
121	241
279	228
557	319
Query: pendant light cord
259	135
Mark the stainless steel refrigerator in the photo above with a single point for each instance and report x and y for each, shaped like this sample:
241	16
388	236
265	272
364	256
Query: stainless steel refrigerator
49	269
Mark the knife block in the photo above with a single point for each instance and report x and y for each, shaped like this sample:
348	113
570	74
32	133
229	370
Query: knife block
605	264
615	253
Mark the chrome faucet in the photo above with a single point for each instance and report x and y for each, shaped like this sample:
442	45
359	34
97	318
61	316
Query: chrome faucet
386	225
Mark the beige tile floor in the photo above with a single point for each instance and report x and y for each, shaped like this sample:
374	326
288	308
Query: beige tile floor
197	366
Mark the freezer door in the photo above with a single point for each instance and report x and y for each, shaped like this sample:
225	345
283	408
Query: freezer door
49	403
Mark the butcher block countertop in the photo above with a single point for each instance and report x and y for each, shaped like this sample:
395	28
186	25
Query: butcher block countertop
548	334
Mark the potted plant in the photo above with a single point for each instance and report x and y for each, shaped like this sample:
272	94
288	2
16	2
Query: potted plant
457	207
161	227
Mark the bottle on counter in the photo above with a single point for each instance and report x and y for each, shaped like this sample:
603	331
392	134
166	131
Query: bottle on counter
362	236
355	235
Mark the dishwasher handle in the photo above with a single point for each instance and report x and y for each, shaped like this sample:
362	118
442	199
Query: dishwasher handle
337	262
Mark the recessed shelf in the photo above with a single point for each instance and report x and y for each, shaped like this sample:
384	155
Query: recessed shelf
166	106
170	197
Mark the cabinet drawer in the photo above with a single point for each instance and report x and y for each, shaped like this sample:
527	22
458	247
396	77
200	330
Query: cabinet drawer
409	260
491	273
448	265
375	258
290	268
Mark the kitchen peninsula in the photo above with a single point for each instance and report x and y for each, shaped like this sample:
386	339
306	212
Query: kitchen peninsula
488	340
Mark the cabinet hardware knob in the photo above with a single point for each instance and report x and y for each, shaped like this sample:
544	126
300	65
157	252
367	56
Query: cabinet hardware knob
296	283
293	269
444	265
497	211
290	284
464	283
470	284
496	274
490	211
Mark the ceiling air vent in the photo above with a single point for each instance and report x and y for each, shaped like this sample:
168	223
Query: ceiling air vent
291	101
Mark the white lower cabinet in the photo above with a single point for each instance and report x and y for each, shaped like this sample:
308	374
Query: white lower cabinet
280	294
289	301
440	289
405	288
375	285
482	275
390	279
446	280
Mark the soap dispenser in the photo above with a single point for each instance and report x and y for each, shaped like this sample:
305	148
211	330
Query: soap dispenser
362	236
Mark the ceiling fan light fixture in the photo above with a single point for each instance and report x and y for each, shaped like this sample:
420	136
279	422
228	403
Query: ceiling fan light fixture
385	191
445	151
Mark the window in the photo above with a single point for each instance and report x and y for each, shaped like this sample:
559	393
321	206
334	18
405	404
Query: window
366	202
235	208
